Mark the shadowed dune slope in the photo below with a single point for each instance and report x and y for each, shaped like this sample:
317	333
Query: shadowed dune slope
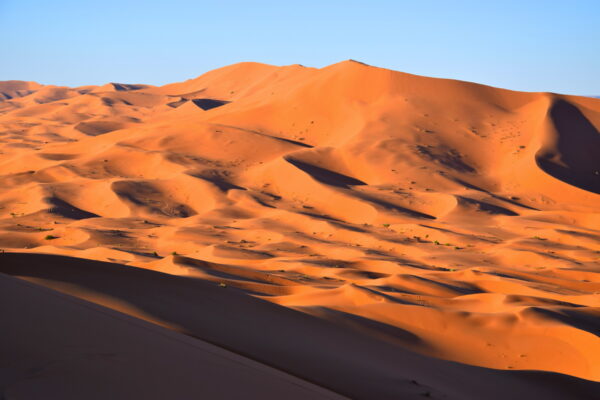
572	150
60	347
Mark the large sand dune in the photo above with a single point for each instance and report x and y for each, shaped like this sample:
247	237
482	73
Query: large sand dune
415	219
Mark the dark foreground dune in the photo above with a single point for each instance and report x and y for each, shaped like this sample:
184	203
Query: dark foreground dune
58	345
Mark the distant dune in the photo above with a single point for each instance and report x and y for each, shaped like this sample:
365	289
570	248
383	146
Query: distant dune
347	231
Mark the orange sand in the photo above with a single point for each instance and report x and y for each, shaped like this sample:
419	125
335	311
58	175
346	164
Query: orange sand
425	218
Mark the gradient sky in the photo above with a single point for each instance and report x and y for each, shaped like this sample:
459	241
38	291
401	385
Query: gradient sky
522	45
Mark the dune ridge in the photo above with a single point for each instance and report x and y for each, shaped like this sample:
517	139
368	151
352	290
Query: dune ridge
447	219
344	361
73	359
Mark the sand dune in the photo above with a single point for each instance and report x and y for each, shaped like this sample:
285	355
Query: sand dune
425	219
79	350
354	362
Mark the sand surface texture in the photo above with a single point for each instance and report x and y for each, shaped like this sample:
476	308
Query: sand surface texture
369	232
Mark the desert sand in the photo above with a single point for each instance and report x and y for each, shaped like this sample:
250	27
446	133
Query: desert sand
348	231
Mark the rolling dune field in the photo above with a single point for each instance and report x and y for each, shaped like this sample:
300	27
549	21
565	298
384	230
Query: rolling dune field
349	231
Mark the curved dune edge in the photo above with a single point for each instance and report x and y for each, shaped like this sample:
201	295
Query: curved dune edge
67	355
351	362
454	220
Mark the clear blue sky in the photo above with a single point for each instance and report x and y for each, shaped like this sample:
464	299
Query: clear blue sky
523	45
